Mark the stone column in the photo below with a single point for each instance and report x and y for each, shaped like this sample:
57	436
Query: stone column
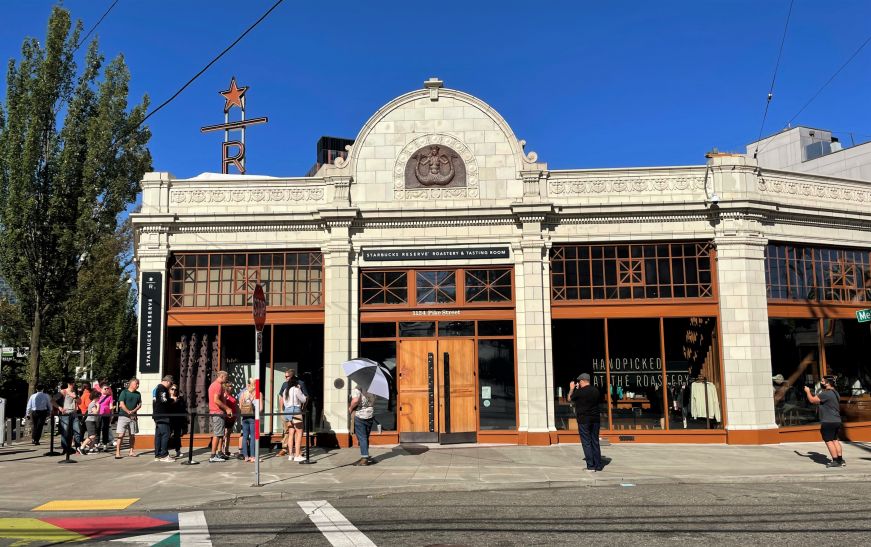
339	338
749	403
534	370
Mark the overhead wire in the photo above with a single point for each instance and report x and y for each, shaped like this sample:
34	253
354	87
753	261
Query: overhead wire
774	77
820	90
212	62
97	24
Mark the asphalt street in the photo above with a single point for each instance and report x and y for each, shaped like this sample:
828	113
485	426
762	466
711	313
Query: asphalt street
748	514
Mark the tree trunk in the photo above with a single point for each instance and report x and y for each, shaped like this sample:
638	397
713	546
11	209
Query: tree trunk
35	339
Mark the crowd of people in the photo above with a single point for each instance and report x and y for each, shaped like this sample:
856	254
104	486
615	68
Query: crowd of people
86	411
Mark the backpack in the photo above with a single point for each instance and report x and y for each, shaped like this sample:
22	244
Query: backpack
246	404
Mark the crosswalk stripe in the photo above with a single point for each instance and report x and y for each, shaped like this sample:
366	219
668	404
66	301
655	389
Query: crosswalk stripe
333	525
194	531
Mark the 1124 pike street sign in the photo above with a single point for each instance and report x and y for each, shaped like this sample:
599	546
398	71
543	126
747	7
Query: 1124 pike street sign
863	316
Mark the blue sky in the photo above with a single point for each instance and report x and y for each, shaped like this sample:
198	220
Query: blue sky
587	84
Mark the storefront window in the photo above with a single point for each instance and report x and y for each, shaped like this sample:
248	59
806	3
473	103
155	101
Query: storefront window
498	400
795	364
578	347
203	280
632	271
436	287
799	272
389	287
636	374
301	348
692	372
848	359
489	285
385	354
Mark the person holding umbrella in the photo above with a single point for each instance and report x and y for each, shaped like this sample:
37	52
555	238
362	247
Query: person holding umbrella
370	379
363	411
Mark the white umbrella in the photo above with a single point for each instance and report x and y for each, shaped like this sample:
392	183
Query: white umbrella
369	375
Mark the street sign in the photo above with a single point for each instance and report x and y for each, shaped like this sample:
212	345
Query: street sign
863	316
259	308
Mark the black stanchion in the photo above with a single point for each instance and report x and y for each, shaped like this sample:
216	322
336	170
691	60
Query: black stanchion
69	436
307	432
191	442
51	451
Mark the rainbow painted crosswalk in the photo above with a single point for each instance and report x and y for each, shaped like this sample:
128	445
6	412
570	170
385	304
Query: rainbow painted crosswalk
155	530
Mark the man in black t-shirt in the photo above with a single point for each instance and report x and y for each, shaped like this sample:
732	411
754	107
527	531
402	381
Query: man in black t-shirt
585	397
830	418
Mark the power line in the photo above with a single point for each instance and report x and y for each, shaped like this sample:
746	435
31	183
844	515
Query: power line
820	90
97	24
213	61
773	77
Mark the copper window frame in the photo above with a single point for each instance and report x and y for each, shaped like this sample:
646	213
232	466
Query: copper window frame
411	288
242	279
807	273
623	273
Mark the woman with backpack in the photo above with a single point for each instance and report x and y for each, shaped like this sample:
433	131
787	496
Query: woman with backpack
294	400
246	411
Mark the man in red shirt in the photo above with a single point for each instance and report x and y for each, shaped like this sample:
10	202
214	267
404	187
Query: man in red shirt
219	412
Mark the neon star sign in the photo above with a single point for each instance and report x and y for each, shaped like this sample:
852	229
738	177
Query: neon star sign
233	151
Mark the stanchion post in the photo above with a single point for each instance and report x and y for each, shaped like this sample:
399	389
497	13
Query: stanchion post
69	436
51	451
191	442
307	432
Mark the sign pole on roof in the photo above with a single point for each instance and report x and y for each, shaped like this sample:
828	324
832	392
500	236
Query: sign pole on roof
259	309
234	96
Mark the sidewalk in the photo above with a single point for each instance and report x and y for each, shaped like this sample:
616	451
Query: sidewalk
31	479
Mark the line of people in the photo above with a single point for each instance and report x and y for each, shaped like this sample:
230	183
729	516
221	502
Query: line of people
88	409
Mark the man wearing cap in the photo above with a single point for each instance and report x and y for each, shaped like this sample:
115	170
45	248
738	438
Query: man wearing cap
162	420
585	397
830	418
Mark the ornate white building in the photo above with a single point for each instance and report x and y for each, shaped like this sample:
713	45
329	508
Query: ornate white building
700	298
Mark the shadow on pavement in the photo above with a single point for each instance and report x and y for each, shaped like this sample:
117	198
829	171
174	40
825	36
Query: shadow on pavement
816	457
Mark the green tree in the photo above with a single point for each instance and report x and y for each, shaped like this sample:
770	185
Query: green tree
98	321
71	157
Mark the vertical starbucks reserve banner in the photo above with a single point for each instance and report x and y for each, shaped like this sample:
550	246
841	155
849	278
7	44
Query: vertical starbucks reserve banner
436	253
150	315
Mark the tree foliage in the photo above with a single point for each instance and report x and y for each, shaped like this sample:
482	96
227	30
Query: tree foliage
71	156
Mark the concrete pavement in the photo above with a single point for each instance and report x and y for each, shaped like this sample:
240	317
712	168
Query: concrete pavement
31	479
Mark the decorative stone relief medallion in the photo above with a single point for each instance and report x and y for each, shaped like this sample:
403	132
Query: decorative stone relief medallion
435	167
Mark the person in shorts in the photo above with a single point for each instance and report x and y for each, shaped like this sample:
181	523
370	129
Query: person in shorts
830	418
219	412
129	403
92	415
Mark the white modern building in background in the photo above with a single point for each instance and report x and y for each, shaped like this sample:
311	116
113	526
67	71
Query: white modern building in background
701	299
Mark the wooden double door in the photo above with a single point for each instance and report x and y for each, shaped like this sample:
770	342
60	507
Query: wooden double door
438	391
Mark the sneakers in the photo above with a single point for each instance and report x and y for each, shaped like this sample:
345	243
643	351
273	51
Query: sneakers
167	459
841	462
177	454
363	462
216	459
832	465
299	459
222	456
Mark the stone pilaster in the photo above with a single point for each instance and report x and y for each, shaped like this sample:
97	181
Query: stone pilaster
155	261
532	283
744	328
339	336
